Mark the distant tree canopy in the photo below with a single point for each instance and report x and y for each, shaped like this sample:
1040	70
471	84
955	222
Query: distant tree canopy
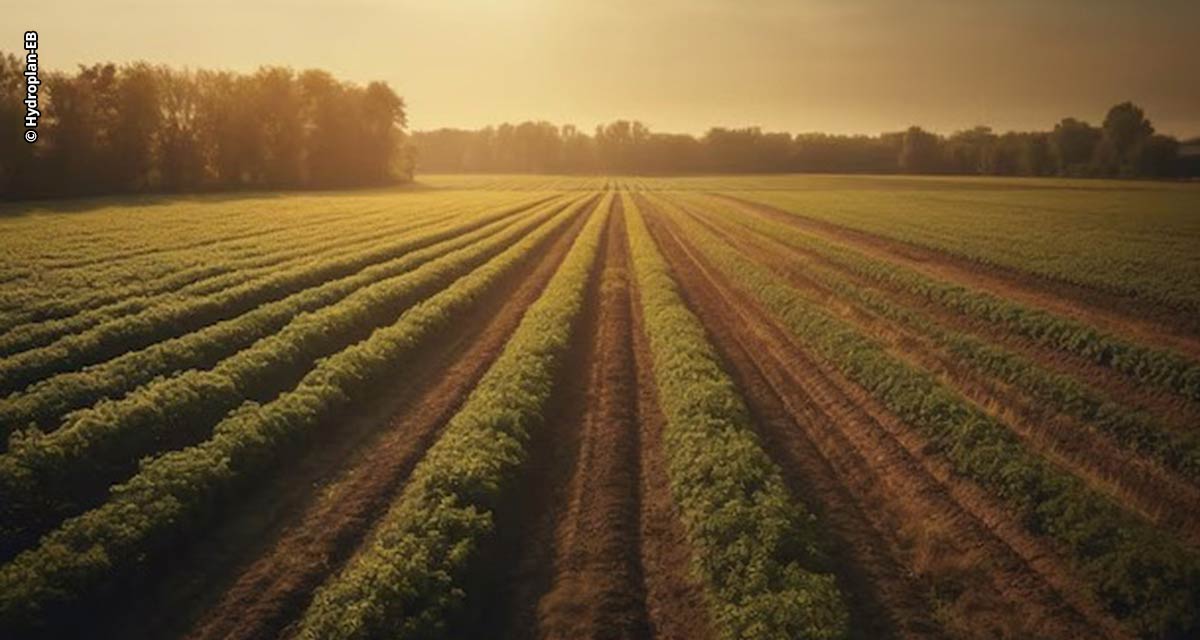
1125	146
136	128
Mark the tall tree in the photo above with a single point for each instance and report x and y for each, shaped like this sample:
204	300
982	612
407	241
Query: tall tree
181	162
16	155
1072	143
921	152
1126	126
135	116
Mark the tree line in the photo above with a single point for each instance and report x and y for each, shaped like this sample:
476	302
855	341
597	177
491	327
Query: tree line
1124	145
137	127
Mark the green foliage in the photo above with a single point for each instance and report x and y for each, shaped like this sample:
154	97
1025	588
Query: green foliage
159	322
1143	576
754	546
175	494
138	127
53	397
1136	429
42	477
1166	369
222	267
1072	148
408	581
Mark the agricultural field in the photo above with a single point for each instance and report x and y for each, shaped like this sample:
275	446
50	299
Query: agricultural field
494	406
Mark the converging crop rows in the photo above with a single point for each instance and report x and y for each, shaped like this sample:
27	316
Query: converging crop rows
557	407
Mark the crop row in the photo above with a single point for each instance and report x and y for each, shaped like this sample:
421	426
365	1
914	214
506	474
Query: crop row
410	576
196	271
1141	574
1147	365
109	258
1093	239
752	542
53	397
158	323
174	494
118	237
43	477
1138	430
1135	429
81	312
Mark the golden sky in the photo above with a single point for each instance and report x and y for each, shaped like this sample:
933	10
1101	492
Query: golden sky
681	65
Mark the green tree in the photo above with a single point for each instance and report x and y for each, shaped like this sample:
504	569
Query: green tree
1156	156
1036	157
1126	127
967	151
16	155
181	163
920	151
1072	144
135	114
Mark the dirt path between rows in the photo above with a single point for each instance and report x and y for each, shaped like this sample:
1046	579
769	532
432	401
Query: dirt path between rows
675	599
985	577
1127	477
595	585
255	576
1171	409
1153	326
586	563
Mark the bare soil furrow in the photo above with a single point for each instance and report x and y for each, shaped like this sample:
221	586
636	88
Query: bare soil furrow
594	549
517	564
1171	409
987	577
260	568
596	590
886	599
1155	326
675	601
1131	479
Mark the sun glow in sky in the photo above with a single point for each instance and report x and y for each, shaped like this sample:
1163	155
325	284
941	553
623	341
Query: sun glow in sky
680	65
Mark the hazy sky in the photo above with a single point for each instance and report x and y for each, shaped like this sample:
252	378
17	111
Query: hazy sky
680	65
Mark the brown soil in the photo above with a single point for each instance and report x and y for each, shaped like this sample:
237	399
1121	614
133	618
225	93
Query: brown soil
1131	479
986	577
1154	326
675	599
1171	409
300	526
596	589
525	553
586	561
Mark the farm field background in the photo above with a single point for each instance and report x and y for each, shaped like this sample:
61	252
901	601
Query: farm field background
569	407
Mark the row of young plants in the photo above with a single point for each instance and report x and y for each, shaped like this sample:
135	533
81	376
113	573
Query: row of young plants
92	240
127	261
409	579
1147	365
1142	575
197	271
1132	428
175	495
116	234
123	334
329	243
756	549
1137	244
48	400
44	479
